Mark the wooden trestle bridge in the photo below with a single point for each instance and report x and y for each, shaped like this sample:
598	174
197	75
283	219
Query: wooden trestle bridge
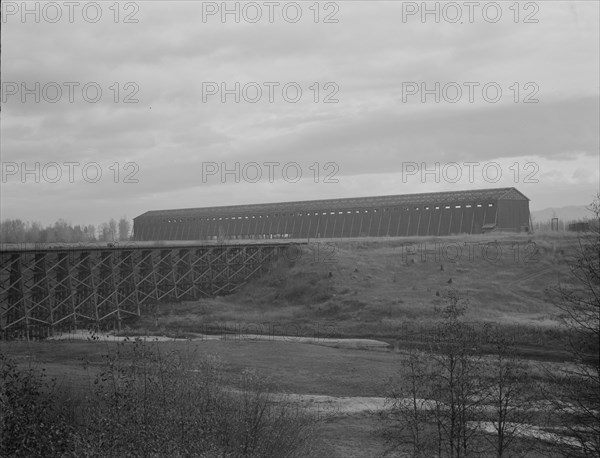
43	291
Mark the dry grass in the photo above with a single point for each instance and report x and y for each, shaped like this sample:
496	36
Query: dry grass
376	288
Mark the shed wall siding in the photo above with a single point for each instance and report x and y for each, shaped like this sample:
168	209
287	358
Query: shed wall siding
513	214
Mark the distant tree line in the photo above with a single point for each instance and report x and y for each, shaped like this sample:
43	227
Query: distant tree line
18	231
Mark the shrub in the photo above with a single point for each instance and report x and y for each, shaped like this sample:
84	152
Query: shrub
145	402
31	423
178	404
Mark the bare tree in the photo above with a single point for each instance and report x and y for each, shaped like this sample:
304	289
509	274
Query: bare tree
89	232
113	230
456	380
12	231
104	233
62	231
124	229
507	393
409	404
580	306
443	389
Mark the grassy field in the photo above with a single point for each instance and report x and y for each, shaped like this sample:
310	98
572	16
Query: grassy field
386	289
390	289
292	368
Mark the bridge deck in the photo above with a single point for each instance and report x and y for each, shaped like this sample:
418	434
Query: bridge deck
131	245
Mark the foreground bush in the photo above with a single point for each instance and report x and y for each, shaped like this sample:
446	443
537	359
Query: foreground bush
146	403
31	423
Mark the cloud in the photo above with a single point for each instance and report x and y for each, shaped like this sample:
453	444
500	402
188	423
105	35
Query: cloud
363	61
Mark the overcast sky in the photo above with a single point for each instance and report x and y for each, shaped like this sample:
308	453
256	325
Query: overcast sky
541	133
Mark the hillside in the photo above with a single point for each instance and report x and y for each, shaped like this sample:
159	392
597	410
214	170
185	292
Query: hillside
388	289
